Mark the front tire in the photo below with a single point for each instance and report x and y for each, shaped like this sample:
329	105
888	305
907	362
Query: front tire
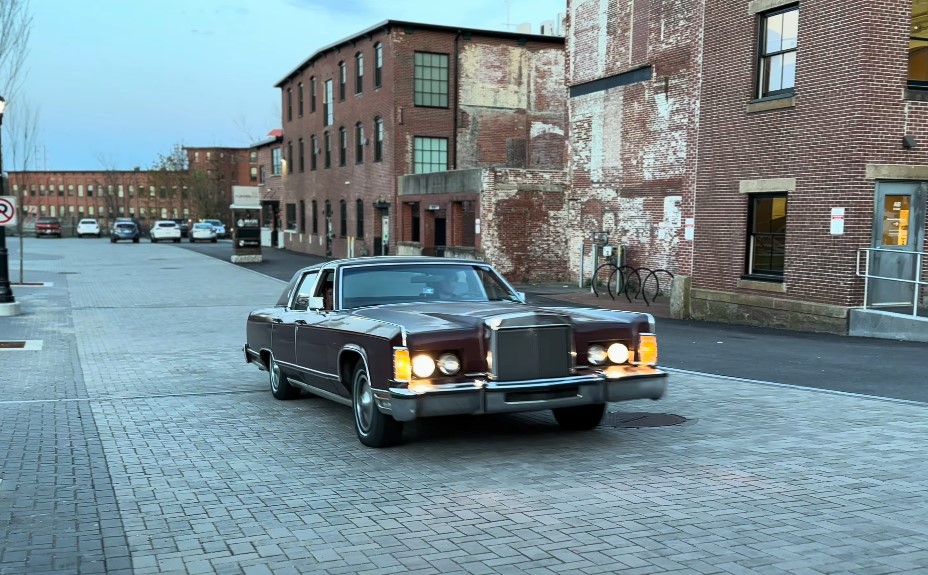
374	429
280	387
581	417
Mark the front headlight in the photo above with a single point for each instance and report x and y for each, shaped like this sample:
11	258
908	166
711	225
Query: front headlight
596	354
449	364
423	366
618	353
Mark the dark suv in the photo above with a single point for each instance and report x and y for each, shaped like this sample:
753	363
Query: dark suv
125	231
183	225
47	226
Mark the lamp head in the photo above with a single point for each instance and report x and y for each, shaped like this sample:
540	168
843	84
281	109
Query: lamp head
2	105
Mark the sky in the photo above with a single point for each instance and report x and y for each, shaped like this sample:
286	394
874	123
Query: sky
118	82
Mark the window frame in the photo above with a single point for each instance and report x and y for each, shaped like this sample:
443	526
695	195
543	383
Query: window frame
314	145
359	73
327	163
378	139
301	148
763	57
312	94
277	155
343	218
359	143
328	106
289	105
422	72
314	207
342	146
342	80
378	65
417	140
750	270
359	217
290	214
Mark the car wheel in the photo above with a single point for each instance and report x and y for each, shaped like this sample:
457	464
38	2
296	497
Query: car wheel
112	240
154	241
191	240
177	241
135	240
375	429
581	417
280	387
213	240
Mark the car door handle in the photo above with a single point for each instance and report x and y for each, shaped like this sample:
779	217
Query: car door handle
277	320
301	322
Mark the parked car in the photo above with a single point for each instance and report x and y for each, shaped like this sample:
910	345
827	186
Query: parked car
202	232
164	230
219	227
88	227
47	226
401	338
183	225
125	231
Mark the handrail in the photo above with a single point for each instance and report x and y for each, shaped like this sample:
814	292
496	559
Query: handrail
917	282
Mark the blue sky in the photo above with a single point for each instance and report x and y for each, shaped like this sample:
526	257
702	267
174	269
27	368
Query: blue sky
117	82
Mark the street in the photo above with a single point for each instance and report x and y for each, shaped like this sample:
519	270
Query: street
137	440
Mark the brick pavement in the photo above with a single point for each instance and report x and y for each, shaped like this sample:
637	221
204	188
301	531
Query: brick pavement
138	441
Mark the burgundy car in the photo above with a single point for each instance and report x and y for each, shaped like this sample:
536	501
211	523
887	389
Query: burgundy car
399	338
47	226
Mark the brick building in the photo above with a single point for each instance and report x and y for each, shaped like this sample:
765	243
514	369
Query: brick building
196	185
417	100
781	156
268	157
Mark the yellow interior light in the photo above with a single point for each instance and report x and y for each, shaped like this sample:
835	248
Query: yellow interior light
402	368
647	349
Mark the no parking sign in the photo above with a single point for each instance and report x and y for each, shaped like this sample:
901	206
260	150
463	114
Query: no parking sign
7	211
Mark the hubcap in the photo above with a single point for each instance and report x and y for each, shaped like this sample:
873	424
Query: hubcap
275	375
364	402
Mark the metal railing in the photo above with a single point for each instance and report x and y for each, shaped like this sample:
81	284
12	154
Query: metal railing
868	277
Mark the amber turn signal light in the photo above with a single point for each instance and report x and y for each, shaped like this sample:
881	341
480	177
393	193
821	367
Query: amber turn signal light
402	366
647	349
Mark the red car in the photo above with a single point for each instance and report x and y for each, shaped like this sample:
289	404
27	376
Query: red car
48	226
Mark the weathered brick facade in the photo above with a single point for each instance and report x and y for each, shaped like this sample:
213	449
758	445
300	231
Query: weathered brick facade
697	129
505	108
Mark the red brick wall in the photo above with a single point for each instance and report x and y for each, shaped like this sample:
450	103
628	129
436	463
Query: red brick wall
632	149
849	111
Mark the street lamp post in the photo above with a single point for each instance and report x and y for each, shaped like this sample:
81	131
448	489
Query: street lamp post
7	301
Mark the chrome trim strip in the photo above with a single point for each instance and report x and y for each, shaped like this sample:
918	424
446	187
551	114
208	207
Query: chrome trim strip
321	393
306	370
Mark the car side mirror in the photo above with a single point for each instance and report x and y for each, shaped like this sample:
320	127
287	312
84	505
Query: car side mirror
521	296
316	302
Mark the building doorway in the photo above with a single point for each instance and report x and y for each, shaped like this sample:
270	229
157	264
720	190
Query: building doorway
441	236
898	238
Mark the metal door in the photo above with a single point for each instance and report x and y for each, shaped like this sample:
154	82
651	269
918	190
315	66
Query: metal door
898	235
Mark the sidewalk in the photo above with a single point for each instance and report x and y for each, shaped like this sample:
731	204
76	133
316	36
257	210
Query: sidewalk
574	294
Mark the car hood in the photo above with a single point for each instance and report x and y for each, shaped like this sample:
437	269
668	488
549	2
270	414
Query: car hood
444	316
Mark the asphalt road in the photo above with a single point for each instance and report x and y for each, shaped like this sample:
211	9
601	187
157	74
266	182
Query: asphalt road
883	368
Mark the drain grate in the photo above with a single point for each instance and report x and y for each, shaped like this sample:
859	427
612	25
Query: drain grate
641	419
27	345
12	344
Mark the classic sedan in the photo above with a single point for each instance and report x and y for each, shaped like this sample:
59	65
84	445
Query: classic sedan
400	338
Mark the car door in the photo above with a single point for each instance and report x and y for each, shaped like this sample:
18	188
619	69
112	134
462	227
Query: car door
315	338
283	330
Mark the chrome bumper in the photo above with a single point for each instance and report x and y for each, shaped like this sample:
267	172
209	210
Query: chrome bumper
621	383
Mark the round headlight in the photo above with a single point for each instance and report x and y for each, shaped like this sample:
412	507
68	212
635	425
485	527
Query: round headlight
618	353
596	354
423	366
449	364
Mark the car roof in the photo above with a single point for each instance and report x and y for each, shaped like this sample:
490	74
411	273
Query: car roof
376	260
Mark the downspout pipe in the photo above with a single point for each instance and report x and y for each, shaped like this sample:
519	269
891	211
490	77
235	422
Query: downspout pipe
454	120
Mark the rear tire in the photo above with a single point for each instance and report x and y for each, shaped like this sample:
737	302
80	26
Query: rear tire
135	240
581	417
374	428
280	387
213	240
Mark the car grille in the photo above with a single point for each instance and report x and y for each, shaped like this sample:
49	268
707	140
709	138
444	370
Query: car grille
537	352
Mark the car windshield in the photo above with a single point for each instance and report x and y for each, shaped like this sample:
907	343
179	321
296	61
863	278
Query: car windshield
202	227
89	222
167	225
400	283
213	222
48	220
125	226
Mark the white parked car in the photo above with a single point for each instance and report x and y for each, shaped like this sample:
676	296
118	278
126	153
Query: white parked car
88	227
165	230
202	231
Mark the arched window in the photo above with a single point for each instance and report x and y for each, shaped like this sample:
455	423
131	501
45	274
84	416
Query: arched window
360	140
343	218
378	64
359	206
378	139
315	215
358	73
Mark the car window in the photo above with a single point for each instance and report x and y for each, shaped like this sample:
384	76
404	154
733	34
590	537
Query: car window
124	226
305	290
391	283
203	226
167	225
91	222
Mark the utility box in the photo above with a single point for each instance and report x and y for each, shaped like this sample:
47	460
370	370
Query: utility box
246	235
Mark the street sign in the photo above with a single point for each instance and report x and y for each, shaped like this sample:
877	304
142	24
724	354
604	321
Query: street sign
7	211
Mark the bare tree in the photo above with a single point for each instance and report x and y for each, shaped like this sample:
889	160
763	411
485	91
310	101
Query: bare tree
171	179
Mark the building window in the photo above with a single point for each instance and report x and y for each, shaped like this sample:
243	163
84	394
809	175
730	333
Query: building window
289	106
342	80
327	141
253	157
299	99
777	66
360	140
343	218
378	139
766	235
262	174
315	215
290	157
918	46
302	154
312	94
328	104
313	152
359	205
342	147
378	64
291	217
431	80
253	176
275	161
430	155
359	73
302	217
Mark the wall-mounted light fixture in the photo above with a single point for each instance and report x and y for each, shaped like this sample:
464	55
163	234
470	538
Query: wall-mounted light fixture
909	142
